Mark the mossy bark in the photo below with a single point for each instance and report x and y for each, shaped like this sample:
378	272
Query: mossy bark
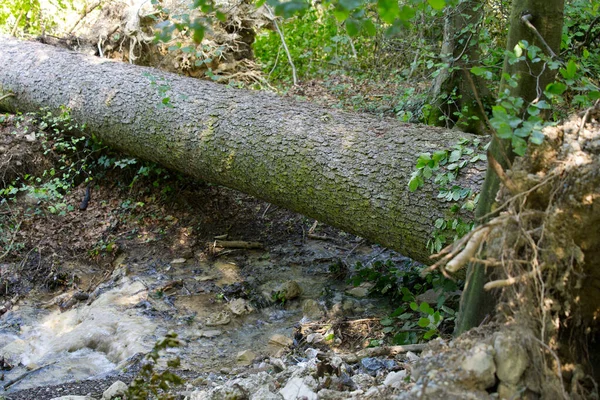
532	80
348	170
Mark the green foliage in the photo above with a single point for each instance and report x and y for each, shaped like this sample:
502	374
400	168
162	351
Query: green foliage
71	166
151	384
412	321
442	168
315	42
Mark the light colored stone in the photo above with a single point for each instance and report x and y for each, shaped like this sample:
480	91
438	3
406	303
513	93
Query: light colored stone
360	291
411	357
312	310
479	363
264	393
506	391
220	318
315	337
240	307
363	381
288	291
511	359
245	357
209	333
296	389
395	379
280	340
117	389
73	398
178	261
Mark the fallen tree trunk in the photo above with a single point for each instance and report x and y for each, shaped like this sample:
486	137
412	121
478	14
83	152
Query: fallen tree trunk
348	170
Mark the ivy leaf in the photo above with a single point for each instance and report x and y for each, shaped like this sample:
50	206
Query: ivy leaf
429	334
537	137
423	322
437	4
519	145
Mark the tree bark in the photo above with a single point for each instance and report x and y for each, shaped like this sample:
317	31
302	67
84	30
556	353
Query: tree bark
344	169
476	303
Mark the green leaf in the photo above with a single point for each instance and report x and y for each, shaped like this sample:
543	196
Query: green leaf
518	50
386	321
455	156
423	160
439	156
406	13
352	27
519	145
537	137
423	322
556	88
414	306
415	183
429	334
388	10
427	172
369	27
437	4
424	307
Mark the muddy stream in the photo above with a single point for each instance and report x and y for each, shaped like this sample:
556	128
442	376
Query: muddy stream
218	308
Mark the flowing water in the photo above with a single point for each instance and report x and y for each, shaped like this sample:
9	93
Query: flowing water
150	296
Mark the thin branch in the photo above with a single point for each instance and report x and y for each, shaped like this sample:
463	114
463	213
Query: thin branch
526	19
478	99
7	95
495	165
14	29
287	51
87	10
507	202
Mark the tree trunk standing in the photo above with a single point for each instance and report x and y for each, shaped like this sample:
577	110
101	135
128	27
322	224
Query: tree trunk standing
532	80
453	89
348	170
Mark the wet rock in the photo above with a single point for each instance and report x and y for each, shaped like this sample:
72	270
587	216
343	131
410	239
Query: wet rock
117	389
360	291
312	310
373	365
395	379
511	359
220	318
240	307
296	388
209	333
246	357
73	398
479	363
287	291
430	296
280	340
